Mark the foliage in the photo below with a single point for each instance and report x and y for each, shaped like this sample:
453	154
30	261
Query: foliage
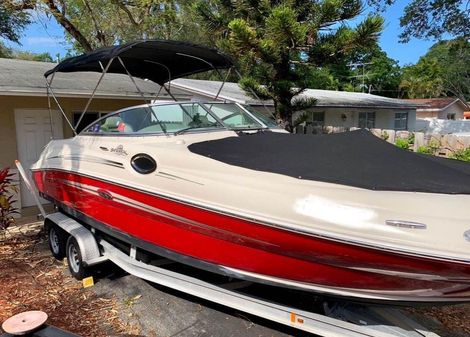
433	19
7	191
11	53
443	71
402	143
13	19
423	80
384	135
425	149
374	72
463	154
90	24
281	45
406	143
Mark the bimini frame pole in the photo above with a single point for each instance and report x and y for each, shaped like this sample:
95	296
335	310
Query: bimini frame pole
224	79
49	90
168	90
105	70
50	109
132	79
223	83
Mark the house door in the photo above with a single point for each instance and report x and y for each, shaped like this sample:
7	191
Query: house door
33	132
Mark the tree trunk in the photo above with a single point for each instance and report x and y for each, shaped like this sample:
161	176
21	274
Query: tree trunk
68	26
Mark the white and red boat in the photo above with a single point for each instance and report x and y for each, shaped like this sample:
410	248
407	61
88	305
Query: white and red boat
344	215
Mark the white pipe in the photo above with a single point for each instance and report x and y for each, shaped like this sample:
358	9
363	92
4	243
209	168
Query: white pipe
30	187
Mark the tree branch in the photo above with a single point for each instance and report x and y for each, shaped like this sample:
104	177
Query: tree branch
126	10
68	26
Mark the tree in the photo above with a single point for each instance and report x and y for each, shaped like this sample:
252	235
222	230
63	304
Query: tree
13	19
443	71
423	80
382	74
432	19
91	24
279	43
453	58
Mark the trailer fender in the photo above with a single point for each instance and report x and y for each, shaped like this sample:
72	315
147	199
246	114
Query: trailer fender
86	240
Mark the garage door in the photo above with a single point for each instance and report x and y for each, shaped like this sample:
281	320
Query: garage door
33	132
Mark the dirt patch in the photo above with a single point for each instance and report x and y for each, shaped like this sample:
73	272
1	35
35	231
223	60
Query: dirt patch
454	319
31	279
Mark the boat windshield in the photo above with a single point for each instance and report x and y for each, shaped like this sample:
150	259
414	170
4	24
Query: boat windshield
168	118
233	116
269	121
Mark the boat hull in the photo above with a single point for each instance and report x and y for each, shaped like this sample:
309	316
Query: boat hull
246	248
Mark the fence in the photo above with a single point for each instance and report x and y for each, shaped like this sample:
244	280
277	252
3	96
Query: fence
438	144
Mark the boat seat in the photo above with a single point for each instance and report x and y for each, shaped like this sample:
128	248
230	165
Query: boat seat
115	124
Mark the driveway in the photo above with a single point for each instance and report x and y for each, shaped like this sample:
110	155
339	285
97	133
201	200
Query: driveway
160	311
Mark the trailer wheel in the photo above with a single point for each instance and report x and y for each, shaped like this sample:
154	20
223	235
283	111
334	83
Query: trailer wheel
57	241
74	259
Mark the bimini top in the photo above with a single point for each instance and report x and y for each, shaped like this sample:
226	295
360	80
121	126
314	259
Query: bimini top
157	60
356	158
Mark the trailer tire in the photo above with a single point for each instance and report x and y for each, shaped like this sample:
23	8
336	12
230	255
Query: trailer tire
74	259
57	239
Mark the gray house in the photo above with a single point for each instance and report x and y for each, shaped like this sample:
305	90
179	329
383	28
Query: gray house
333	108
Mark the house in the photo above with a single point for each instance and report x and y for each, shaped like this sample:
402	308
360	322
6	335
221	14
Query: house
25	123
441	108
333	108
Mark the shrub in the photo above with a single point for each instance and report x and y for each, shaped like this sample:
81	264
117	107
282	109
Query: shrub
403	143
406	143
426	149
463	154
7	190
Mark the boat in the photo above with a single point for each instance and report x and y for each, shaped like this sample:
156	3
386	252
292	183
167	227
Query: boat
343	215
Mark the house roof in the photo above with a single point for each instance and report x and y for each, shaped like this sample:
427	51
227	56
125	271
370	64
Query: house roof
326	98
26	78
435	104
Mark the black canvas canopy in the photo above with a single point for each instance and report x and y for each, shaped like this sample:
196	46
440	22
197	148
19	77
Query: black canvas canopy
356	158
156	60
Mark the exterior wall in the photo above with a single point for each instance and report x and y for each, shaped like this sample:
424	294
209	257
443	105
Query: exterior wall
455	108
8	104
384	118
426	114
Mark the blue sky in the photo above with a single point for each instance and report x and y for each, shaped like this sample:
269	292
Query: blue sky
45	35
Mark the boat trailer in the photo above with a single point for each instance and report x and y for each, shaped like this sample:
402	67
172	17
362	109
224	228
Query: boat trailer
85	248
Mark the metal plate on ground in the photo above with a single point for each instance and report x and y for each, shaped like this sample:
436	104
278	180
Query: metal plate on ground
24	322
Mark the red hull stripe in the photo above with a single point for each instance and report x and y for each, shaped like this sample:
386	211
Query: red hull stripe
252	247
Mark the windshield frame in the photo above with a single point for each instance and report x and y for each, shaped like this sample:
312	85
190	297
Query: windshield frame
260	126
221	126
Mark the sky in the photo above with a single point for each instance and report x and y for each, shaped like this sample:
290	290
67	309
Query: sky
45	35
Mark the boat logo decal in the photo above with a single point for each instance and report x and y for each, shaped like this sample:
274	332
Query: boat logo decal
119	150
405	224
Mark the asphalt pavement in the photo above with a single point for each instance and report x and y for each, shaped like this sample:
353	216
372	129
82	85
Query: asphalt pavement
160	311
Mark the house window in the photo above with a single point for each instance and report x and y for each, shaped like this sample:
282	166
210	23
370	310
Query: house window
367	120
87	119
318	118
401	120
451	116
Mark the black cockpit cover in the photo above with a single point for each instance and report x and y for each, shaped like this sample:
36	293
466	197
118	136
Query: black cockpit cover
156	60
355	158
